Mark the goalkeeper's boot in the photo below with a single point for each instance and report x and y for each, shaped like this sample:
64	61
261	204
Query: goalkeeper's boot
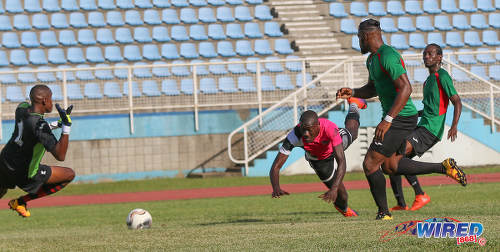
348	213
19	208
454	172
400	208
358	101
383	216
420	201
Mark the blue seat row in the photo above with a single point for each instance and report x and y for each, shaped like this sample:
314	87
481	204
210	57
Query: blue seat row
420	74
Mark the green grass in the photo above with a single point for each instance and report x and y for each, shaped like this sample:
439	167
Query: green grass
297	222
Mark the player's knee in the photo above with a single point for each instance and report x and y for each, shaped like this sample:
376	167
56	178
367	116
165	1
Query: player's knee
70	174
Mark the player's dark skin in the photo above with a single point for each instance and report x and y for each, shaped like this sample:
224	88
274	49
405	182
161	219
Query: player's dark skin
310	130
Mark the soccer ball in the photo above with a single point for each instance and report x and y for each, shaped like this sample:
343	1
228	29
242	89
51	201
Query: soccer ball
139	219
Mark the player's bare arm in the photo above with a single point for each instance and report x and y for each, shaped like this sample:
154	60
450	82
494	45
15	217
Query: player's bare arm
365	92
274	175
331	195
457	110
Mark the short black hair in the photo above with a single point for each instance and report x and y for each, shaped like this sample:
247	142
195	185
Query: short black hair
439	50
309	117
39	92
369	25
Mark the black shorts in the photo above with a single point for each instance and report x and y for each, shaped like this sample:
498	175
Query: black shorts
29	185
421	140
395	137
325	169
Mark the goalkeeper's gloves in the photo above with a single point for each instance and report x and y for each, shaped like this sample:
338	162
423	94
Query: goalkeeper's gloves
65	120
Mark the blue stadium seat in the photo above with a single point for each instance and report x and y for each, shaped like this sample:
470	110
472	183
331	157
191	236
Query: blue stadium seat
3	59
141	35
355	43
216	32
123	36
449	6
114	18
459	75
94	54
85	75
263	13
151	17
411	62
150	88
124	4
467	5
132	53
179	3
160	34
466	58
262	47
103	74
494	20
234	2
479	71
206	15
348	26
494	71
74	92
10	40
275	67
387	25
454	39
169	87
37	57
29	39
406	24
293	66
7	78
150	52
179	33
22	22
236	68
246	84
18	57
69	5
160	71
51	5
217	68
337	10
200	69
284	82
40	22
478	21
376	8
398	41
169	51
224	14
187	86
161	3
436	38
5	24
86	37
252	30
226	85
490	38
188	16
460	22
471	38
413	7
198	3
244	48
242	14
254	2
26	77
132	17
141	72
272	29
395	8
70	75
169	16
208	86
424	24
105	36
67	38
121	73
282	46
49	77
485	58
112	90
188	51
13	6
113	54
299	81
56	56
143	4
216	2
267	83
58	21
417	41
77	20
442	23
88	5
92	91
447	54
197	32
252	66
225	49
96	19
14	94
106	4
485	5
420	75
180	70
233	30
358	9
207	50
431	7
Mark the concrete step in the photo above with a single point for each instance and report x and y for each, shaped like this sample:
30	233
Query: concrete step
309	29
301	18
306	23
294	7
298	13
291	2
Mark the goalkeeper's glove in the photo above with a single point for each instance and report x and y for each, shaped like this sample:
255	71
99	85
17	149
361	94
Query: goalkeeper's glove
65	119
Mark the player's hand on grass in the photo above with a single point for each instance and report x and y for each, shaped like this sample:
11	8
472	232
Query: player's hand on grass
65	118
381	129
452	133
344	93
278	192
329	196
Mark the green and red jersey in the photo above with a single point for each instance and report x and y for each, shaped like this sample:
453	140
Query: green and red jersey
438	88
385	66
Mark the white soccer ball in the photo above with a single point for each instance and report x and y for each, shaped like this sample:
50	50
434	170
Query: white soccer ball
139	219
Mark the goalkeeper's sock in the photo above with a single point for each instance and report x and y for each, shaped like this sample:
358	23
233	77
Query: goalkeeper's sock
376	181
42	192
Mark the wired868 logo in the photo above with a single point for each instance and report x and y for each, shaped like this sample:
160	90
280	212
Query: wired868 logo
443	227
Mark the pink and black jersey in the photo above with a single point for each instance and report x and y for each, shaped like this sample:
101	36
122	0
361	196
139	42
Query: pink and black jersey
322	146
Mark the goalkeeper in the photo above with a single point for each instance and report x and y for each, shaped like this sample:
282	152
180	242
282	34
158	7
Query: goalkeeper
20	158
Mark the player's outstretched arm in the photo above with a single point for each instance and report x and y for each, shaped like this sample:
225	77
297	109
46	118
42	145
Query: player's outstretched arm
274	175
59	152
365	92
457	111
331	195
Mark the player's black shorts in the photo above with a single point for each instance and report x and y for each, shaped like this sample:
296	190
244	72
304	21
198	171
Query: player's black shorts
395	137
325	170
421	140
29	185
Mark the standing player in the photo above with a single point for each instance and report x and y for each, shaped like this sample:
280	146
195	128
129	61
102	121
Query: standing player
438	90
388	81
20	158
323	143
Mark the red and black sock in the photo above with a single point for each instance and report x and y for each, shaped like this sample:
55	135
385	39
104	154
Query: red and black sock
42	192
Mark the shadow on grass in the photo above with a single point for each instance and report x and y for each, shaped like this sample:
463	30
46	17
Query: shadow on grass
232	222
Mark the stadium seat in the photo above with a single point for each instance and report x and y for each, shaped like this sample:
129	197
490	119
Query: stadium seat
74	92
197	32
226	85
10	40
40	22
70	75
395	8
234	2
413	7
398	41
466	58
244	48
420	75
88	5
179	33
284	82
449	6
22	22
151	17
187	86
169	51
233	30
26	77
114	18
490	38
37	57
412	61
267	83
275	67
106	4
123	36
169	87
252	30
208	86
358	9
67	38
132	53
299	81
51	5
5	24
180	70
272	29
161	3
262	47
224	14
293	66
150	52
216	2
84	75
478	21
424	24
94	54
467	5
150	88
459	75
179	3
59	21
113	54
454	39
92	91
103	74
348	26
124	4
49	77
282	46
447	54
198	3
387	25
263	13
112	90
206	15
56	56
484	58
160	71
219	69
471	38
141	72
405	24
246	84
8	78
236	68
121	73
141	35
252	66
337	10
207	50
160	34
188	16
355	43
86	37
460	22
77	20
169	16
431	7
242	14
200	69
3	59
417	41
105	36
494	20
485	5
18	57
376	8
216	32
14	94
436	38
96	19
494	71
69	5
442	23
479	71
143	4
132	17
225	49
13	6
188	51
